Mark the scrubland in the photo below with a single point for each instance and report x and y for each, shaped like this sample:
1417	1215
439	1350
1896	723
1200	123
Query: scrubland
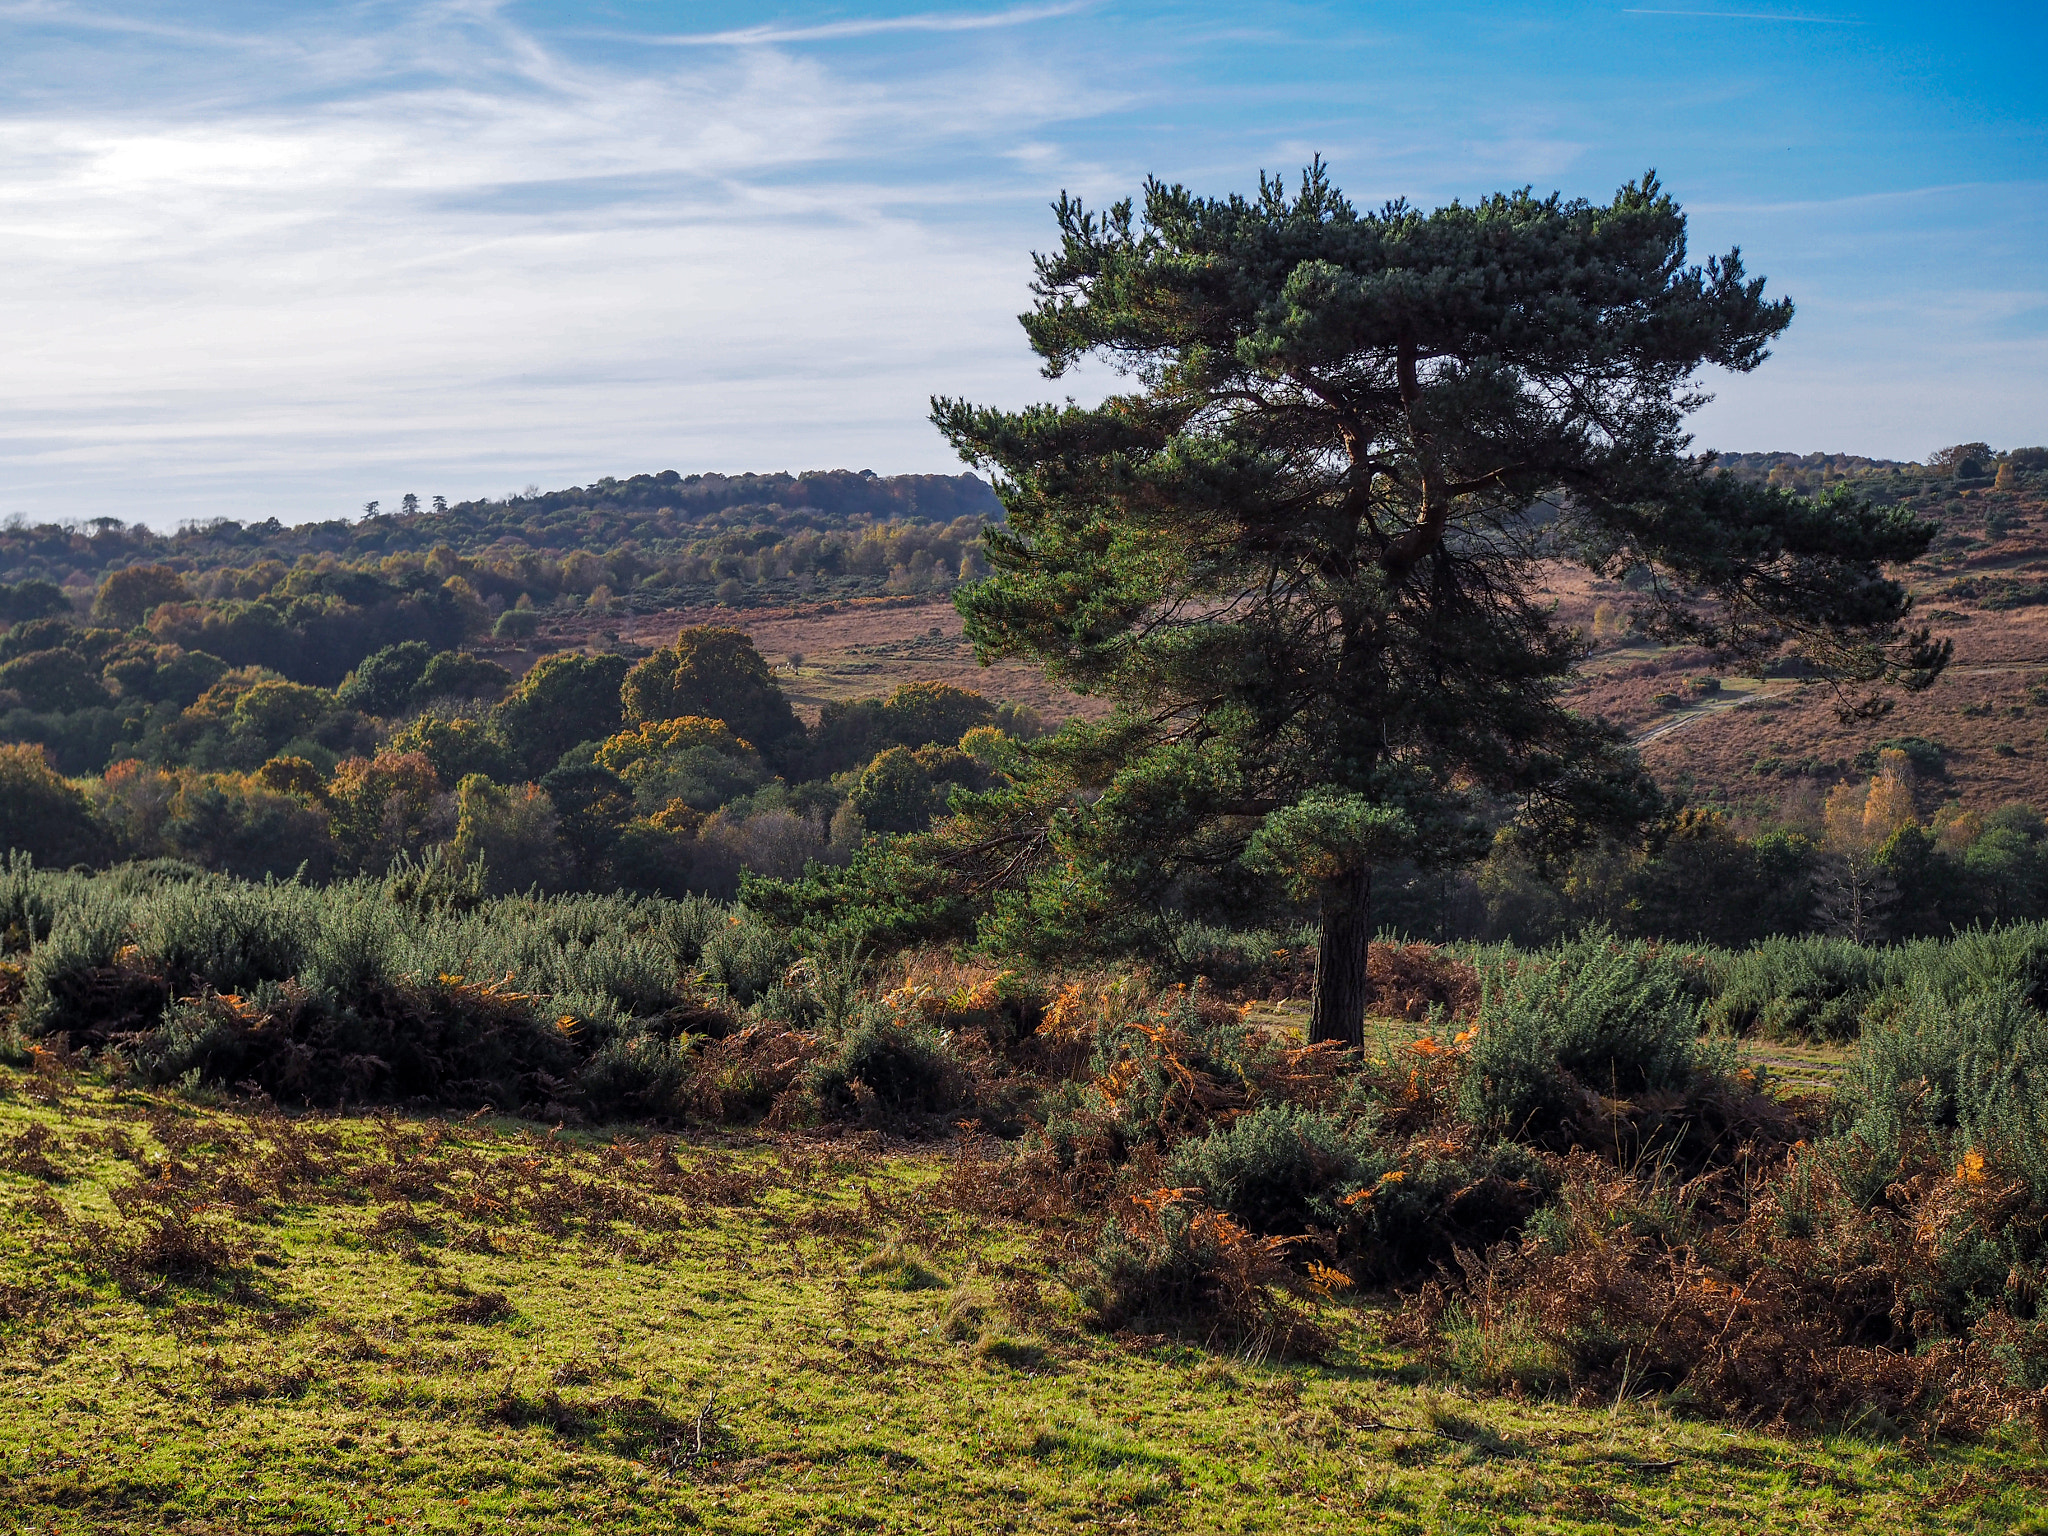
385	1204
434	1323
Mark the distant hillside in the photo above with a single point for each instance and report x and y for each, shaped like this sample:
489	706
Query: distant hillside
1961	466
657	517
1807	470
1773	747
831	497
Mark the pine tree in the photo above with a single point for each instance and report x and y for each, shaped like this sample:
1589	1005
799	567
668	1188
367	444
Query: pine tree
1299	553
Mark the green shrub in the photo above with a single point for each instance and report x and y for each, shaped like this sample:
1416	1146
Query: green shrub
1595	1015
1179	1263
1445	1197
408	987
1280	1169
439	1042
640	1075
687	924
1800	989
1976	961
27	903
895	1067
226	935
67	988
1971	1069
746	959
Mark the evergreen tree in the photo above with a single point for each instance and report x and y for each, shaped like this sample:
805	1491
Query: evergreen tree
382	683
1299	553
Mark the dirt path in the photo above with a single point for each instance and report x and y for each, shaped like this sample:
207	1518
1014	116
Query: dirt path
1718	704
1722	703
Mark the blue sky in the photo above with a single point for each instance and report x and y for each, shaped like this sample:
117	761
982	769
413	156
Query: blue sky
277	260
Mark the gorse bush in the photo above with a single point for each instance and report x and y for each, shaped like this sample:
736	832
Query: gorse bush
28	902
1800	989
226	937
1977	961
417	987
640	1073
1279	1169
1577	1191
1594	1016
895	1067
368	989
1971	1071
745	959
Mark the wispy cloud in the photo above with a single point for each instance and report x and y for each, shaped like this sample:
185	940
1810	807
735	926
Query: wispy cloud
329	253
874	26
450	250
54	13
1866	199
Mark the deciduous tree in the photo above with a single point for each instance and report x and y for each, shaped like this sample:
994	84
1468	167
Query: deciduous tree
715	672
563	702
125	598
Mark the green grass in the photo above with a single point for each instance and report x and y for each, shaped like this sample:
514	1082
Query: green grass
1797	1066
431	1324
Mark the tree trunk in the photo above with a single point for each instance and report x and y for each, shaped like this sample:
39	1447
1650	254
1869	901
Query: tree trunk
1337	1012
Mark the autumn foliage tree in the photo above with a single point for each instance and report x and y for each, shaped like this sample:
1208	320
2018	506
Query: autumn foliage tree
126	596
1299	552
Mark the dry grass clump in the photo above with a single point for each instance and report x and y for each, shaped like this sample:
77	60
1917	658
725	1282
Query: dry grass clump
160	1244
36	1151
1163	1259
1780	1298
199	1184
1575	1191
754	1073
1412	981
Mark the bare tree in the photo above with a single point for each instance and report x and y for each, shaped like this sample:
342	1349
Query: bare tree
1854	894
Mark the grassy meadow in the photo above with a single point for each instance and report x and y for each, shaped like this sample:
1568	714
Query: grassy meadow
477	1324
387	1204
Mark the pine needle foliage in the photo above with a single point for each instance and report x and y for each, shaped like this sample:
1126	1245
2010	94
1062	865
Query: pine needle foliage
1298	552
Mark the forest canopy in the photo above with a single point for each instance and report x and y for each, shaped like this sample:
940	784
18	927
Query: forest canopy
661	519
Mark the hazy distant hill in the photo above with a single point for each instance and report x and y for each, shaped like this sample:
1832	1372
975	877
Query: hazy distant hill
1806	471
1979	735
666	514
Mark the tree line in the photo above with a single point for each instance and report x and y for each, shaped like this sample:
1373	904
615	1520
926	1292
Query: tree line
592	772
663	518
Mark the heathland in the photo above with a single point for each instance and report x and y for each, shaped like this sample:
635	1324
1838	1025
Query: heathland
389	1205
325	714
406	1128
1388	1002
